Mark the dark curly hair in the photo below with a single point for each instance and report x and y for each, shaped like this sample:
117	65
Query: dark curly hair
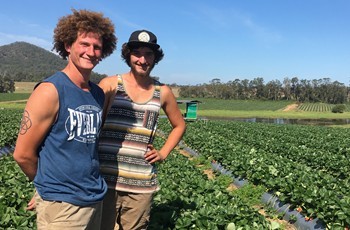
84	21
127	49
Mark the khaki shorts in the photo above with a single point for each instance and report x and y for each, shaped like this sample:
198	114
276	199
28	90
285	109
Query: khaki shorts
126	211
52	215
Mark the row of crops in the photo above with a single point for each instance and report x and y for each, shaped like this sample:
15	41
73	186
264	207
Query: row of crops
318	107
307	167
187	200
315	107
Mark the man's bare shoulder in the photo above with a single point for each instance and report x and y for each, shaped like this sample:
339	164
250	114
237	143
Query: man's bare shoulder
108	79
165	88
108	82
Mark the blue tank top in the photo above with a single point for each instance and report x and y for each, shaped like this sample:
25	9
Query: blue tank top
68	166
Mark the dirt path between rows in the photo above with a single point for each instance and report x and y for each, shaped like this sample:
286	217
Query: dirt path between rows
291	107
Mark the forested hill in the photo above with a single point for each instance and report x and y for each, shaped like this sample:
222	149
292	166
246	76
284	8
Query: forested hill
21	61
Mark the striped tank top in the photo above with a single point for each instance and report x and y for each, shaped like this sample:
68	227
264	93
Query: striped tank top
128	129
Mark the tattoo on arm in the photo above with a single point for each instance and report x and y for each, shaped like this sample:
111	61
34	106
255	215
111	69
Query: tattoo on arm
26	123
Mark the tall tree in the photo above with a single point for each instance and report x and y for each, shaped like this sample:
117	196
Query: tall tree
287	88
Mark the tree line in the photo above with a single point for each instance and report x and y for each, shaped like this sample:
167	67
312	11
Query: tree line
317	90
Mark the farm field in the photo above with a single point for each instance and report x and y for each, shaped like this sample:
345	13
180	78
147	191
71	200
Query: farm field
188	198
304	166
265	109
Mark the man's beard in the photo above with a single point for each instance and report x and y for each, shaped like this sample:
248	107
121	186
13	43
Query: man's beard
142	73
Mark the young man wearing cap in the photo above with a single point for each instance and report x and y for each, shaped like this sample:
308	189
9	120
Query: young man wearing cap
127	156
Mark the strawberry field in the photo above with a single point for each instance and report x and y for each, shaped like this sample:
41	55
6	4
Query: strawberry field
187	200
305	166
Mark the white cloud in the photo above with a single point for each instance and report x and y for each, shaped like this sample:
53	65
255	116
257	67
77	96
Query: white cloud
10	38
231	18
260	31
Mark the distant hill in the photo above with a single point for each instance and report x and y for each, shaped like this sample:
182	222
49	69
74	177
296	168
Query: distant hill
22	61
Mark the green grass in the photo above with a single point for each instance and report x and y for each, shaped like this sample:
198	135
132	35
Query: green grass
262	109
13	100
216	104
272	114
12	105
13	96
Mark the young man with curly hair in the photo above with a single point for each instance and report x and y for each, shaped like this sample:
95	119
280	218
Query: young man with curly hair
57	143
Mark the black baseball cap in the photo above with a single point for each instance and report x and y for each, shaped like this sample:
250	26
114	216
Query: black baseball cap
143	38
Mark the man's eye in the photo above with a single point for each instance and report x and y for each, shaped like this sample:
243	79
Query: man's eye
149	54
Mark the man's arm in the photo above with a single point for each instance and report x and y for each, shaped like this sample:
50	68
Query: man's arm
171	109
39	114
109	87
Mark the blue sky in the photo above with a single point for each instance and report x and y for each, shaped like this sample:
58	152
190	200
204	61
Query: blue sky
206	39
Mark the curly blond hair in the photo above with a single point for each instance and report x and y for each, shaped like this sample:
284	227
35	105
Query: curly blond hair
84	21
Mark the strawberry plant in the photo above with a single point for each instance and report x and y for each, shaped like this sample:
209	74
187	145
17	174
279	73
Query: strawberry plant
10	122
15	192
